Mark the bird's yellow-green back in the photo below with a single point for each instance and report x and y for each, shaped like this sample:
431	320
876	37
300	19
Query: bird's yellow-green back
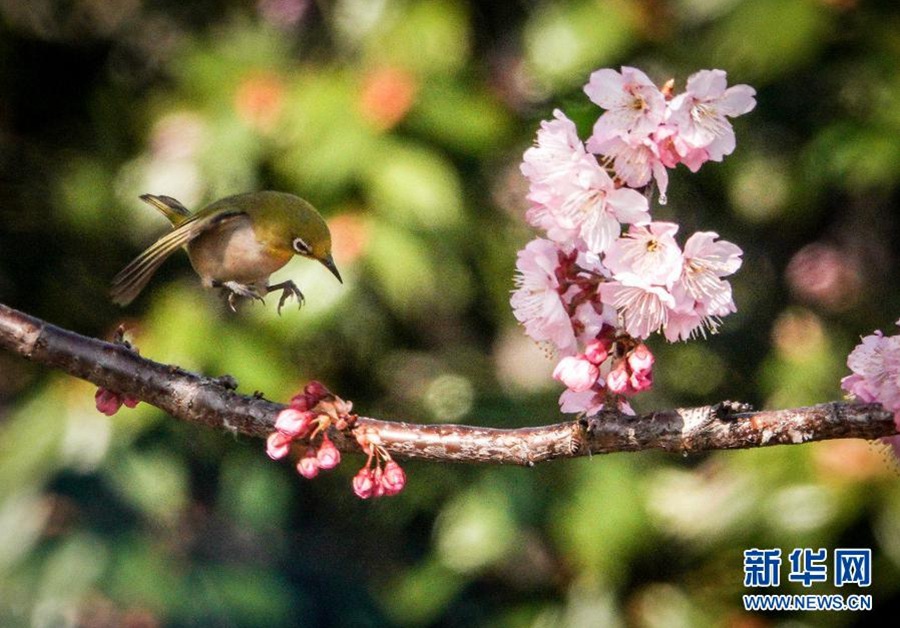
279	220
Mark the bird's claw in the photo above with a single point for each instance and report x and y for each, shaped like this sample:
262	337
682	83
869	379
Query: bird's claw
236	289
288	289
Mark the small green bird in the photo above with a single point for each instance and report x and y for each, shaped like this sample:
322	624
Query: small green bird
234	244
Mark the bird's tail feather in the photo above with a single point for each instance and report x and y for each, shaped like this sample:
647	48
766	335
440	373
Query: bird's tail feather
172	209
129	283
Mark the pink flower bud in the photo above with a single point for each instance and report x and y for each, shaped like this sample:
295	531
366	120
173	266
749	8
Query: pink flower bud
576	373
597	351
308	466
617	380
641	380
107	401
292	422
328	455
378	488
364	483
640	359
302	402
130	401
394	479
277	445
316	390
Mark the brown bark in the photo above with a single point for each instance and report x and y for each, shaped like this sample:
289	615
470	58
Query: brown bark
213	402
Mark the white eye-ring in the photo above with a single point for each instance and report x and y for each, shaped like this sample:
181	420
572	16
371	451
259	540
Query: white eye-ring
301	246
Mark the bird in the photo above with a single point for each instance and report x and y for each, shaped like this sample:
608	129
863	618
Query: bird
234	244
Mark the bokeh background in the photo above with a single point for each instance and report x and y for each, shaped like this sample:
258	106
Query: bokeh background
404	121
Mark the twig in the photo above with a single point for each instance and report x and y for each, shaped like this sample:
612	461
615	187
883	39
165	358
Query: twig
213	402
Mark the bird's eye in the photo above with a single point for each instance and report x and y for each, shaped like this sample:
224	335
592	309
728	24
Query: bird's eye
301	247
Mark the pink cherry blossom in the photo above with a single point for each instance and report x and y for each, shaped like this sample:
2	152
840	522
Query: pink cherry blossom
650	252
701	296
589	402
684	324
590	290
589	322
642	307
571	195
278	445
550	166
594	208
556	153
875	377
875	366
634	105
576	372
720	258
673	149
867	363
635	161
536	300
701	113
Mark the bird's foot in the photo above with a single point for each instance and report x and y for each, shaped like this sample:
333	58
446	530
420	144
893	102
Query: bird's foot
236	289
288	289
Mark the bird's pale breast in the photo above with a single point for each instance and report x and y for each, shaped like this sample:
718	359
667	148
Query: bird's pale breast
231	252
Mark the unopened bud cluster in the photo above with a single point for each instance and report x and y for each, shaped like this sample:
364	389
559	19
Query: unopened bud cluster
109	402
381	476
307	418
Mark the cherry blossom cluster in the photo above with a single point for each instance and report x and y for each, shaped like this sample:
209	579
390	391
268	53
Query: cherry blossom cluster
308	417
875	377
592	292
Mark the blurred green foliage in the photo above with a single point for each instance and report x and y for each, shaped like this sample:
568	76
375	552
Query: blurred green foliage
404	122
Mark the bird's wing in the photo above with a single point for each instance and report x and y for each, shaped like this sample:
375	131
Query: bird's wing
129	283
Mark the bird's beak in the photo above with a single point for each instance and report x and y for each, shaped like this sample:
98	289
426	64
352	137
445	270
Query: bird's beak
328	262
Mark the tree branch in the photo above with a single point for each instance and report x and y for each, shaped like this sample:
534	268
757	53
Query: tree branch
213	402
